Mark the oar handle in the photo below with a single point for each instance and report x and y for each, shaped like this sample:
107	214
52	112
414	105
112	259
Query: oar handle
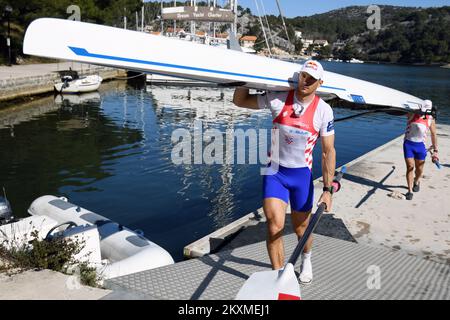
434	158
337	179
314	221
437	163
309	230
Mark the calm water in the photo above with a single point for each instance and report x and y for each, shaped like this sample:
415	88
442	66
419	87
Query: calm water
110	151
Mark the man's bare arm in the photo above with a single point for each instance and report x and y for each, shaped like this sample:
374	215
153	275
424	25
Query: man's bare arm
328	160
434	134
242	98
328	168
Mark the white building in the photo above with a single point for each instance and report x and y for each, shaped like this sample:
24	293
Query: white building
321	43
307	43
248	41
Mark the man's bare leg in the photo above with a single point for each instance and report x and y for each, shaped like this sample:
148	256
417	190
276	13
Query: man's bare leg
419	171
275	211
410	173
300	221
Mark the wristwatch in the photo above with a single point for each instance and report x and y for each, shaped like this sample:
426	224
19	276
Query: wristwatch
329	189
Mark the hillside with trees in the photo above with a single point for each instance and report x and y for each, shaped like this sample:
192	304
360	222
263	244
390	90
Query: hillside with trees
407	35
422	37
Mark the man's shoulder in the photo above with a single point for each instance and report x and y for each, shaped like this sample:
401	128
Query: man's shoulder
324	106
323	103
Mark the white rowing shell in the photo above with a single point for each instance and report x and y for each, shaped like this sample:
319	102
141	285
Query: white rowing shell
138	51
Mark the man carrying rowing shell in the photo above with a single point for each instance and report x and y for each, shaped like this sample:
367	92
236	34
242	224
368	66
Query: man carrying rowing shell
414	146
299	118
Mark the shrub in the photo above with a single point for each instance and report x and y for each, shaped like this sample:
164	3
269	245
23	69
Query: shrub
56	254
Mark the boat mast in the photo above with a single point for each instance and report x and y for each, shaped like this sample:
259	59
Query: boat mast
235	10
193	26
143	16
209	23
125	18
282	19
267	22
137	21
162	21
214	24
175	21
263	29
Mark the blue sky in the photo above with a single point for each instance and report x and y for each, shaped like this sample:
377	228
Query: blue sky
294	8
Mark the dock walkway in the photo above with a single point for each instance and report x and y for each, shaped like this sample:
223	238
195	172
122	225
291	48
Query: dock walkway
371	247
342	270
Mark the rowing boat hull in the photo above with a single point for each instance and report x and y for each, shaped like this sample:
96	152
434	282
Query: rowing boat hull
142	52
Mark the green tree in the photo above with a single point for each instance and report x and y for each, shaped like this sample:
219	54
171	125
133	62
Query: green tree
298	45
348	52
324	52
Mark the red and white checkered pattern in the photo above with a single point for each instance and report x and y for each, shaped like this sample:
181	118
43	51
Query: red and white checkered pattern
295	136
311	142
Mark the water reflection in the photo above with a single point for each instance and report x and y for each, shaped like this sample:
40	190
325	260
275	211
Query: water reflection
67	100
181	108
16	114
207	104
58	146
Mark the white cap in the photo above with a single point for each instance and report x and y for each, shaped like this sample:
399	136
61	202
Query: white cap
428	106
313	68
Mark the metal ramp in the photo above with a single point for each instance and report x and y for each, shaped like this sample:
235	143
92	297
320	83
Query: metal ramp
342	270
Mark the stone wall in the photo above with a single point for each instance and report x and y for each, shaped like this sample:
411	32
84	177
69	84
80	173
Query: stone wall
14	88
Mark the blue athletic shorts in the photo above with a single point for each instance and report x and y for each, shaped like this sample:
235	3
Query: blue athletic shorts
416	150
290	184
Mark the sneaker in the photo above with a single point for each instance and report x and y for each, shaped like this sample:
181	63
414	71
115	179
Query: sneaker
305	278
306	271
409	196
416	187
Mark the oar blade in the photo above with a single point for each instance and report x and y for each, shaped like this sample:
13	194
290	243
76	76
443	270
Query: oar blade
271	285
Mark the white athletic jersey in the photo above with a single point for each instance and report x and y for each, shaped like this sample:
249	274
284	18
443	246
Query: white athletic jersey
299	126
417	128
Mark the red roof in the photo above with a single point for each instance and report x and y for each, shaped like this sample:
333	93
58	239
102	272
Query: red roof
170	30
248	38
222	35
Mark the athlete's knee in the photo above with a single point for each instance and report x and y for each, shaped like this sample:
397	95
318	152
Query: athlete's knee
301	218
274	229
300	222
301	225
304	224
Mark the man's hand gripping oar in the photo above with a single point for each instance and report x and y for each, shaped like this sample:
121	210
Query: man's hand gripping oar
283	284
434	156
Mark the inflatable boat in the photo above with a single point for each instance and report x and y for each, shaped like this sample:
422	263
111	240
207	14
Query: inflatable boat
78	85
111	248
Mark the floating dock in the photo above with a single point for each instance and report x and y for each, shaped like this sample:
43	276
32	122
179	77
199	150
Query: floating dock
372	246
